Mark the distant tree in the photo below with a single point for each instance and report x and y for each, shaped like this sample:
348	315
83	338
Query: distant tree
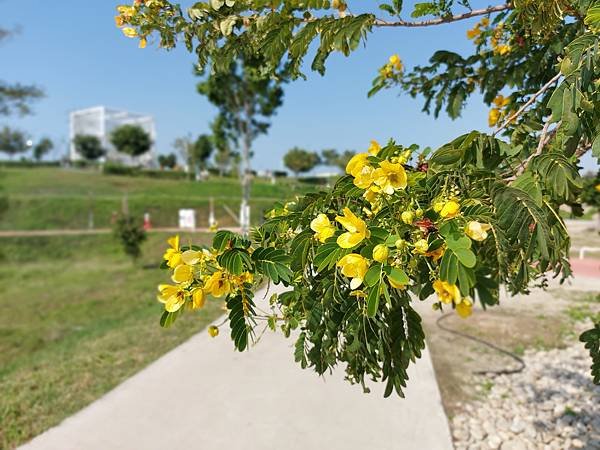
131	140
300	161
195	152
88	146
590	195
200	151
246	101
167	161
224	156
41	148
332	157
16	98
12	141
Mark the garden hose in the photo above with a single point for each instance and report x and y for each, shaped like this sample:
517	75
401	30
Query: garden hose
486	343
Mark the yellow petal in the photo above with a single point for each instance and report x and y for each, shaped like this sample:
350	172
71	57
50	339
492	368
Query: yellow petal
174	303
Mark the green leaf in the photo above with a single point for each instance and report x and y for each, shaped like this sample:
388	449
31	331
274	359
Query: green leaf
596	147
528	183
241	309
373	275
466	257
274	263
373	301
591	338
328	255
236	261
300	250
449	267
398	276
168	318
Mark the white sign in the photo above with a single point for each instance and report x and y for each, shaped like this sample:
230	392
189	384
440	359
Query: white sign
187	219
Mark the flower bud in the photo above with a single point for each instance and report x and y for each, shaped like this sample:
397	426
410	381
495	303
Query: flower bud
407	217
380	253
213	331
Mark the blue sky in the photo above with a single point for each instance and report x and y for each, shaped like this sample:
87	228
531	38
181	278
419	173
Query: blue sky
72	49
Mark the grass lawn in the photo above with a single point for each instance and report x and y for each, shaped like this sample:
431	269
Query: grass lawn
78	318
47	198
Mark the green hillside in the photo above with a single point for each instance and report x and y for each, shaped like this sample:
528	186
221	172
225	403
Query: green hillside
54	198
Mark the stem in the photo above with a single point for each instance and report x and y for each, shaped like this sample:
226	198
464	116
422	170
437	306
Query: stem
442	20
528	103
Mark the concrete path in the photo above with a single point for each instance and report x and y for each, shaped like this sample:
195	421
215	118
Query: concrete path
203	395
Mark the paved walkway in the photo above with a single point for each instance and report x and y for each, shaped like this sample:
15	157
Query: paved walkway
203	395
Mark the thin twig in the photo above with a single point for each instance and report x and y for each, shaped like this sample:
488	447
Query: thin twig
528	103
441	20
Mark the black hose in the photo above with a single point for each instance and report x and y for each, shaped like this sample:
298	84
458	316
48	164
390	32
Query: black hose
487	344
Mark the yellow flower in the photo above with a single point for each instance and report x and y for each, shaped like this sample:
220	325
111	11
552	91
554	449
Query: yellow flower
374	148
143	42
213	331
172	296
198	298
493	117
218	284
191	257
477	231
501	101
364	179
438	205
447	292
390	177
396	62
396	285
125	10
473	33
407	217
183	274
322	227
502	49
371	194
354	266
437	253
597	187
119	21
129	32
421	246
356	164
485	22
173	255
465	308
357	229
381	253
451	209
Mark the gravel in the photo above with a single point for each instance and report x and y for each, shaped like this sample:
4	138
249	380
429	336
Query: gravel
551	405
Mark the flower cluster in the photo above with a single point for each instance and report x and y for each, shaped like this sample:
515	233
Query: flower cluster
385	179
497	40
130	15
499	111
393	67
196	275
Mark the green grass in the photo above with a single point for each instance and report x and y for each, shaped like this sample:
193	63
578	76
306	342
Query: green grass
47	198
78	318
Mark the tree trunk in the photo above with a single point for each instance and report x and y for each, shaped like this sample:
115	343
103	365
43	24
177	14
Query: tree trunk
246	144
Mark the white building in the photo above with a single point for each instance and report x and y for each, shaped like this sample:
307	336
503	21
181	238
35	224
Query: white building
101	121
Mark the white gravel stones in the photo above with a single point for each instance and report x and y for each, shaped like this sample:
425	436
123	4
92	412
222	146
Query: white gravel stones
551	405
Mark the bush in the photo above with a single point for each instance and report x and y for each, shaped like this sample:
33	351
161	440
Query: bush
114	168
131	235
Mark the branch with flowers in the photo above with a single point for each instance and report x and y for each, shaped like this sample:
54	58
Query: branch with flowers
405	224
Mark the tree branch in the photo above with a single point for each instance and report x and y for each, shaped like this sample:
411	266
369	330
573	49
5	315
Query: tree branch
442	20
528	103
